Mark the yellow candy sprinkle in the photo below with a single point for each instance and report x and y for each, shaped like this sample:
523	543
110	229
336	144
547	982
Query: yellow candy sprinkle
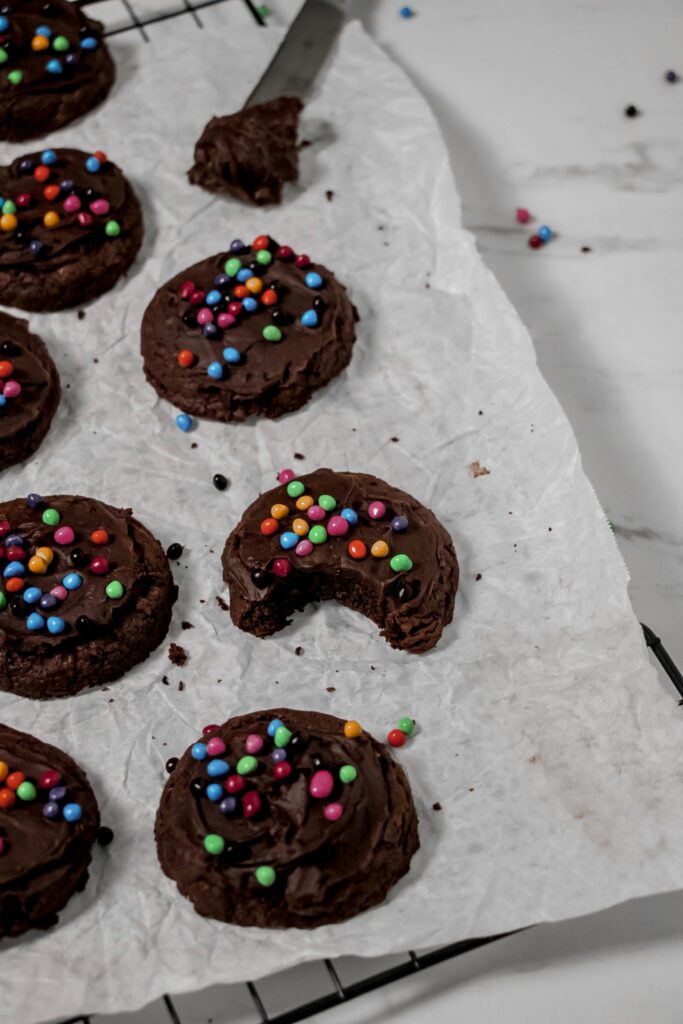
39	43
47	554
254	285
8	222
279	511
4	769
300	526
37	565
51	219
380	549
304	502
352	729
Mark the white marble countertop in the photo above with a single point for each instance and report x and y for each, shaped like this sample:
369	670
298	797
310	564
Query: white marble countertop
530	97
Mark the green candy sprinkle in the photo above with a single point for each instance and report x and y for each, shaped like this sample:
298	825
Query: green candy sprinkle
60	43
246	765
27	791
112	228
232	266
3	602
15	77
3	56
214	845
8	206
295	488
263	10
406	725
282	737
401	563
265	875
264	257
327	502
317	534
272	333
51	517
347	773
114	590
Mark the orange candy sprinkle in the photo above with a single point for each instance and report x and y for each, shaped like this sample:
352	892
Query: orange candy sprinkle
300	527
269	297
41	173
39	43
269	526
14	585
8	222
99	537
304	502
15	779
352	729
37	565
102	157
254	285
51	192
4	769
380	549
47	554
7	799
186	358
51	219
357	549
279	511
240	292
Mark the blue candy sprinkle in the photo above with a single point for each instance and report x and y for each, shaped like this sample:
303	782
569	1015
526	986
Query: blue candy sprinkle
217	767
213	297
54	66
47	601
350	516
36	247
55	624
48	157
210	331
278	755
3	401
313	280
215	370
221	280
406	12
93	165
32	594
231	355
244	274
183	421
72	581
57	793
35	621
545	233
289	540
236	245
34	500
72	812
66	185
214	791
4	23
89	43
251	305
13	540
51	809
309	318
44	30
274	726
14	569
399	524
198	751
228	805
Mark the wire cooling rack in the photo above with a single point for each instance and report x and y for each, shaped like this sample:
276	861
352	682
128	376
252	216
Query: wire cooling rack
330	979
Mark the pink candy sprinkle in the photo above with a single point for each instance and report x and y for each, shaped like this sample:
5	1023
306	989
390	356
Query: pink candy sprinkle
23	199
321	784
303	548
523	216
59	592
64	535
208	728
187	289
225	320
234	308
282	567
49	779
253	743
72	204
333	812
215	747
11	389
316	513
337	526
100	207
376	509
251	803
197	298
285	475
302	261
204	316
85	219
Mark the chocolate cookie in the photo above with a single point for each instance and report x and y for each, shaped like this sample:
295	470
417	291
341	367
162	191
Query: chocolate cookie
48	824
251	154
255	330
70	226
29	391
347	536
54	67
286	819
85	594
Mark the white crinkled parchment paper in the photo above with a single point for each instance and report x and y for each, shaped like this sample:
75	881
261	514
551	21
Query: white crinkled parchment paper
543	732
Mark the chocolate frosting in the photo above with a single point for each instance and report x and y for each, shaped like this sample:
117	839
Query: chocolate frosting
250	154
326	871
44	100
44	860
35	372
411	607
272	377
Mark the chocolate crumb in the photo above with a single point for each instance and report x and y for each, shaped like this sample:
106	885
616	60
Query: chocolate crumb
395	439
181	685
331	689
177	654
586	248
329	195
436	806
194	445
95	360
471	789
550	529
305	143
299	651
202	601
298	455
221	603
478	470
164	680
478	577
481	412
186	625
81	314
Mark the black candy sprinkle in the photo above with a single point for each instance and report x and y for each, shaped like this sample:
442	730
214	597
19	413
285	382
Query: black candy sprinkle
174	551
104	835
220	482
632	111
171	765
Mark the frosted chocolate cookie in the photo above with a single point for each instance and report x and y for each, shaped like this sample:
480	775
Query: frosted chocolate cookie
348	537
252	331
54	67
286	819
48	824
29	391
85	594
70	227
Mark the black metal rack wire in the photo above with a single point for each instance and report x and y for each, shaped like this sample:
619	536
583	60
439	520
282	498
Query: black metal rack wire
415	962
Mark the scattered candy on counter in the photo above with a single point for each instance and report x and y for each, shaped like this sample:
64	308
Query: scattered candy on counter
671	76
398	736
632	111
407	12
